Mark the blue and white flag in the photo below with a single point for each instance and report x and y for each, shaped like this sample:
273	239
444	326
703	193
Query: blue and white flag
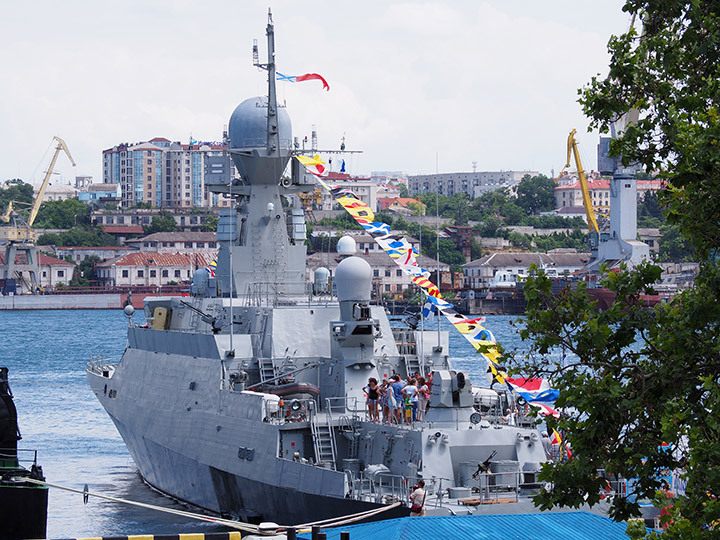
428	311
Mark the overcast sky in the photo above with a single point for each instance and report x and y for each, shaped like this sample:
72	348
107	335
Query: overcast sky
416	85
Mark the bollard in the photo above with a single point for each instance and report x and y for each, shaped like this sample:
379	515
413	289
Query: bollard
291	533
315	532
344	535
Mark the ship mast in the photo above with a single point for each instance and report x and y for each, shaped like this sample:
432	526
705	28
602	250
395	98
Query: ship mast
273	136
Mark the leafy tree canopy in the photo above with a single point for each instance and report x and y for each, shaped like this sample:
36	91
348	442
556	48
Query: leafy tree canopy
78	237
165	222
62	214
536	194
637	379
15	190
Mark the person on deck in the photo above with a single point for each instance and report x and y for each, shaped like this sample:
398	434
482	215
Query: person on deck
373	395
417	499
423	396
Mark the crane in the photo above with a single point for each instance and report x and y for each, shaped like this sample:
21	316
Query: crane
572	150
21	230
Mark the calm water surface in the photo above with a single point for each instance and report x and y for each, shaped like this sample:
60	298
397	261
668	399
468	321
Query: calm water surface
46	352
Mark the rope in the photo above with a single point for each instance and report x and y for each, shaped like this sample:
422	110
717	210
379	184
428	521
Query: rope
239	525
247	527
344	520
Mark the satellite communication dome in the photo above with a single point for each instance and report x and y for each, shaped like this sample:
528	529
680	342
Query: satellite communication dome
346	246
353	277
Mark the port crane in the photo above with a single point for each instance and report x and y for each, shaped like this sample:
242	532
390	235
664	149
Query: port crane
572	151
19	237
21	230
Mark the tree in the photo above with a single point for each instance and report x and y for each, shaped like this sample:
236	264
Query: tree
15	190
640	387
536	194
165	222
63	214
210	225
85	272
78	237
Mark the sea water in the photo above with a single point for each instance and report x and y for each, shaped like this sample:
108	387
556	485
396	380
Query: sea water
46	353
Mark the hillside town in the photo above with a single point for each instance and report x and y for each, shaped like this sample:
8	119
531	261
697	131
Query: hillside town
151	222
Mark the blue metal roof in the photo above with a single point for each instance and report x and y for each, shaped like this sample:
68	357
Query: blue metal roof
540	526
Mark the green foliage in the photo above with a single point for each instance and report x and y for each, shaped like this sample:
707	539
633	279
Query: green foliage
340	222
85	272
143	205
165	222
78	237
15	190
638	378
210	224
671	75
62	215
536	194
404	191
633	380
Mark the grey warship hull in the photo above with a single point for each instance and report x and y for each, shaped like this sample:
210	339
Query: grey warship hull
247	397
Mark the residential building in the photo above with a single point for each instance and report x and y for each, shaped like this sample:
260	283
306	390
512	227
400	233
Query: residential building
472	184
150	268
100	194
388	277
176	242
52	272
508	267
363	188
569	193
165	174
80	253
401	205
56	192
189	220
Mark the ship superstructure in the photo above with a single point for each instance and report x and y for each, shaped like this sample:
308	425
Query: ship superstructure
247	397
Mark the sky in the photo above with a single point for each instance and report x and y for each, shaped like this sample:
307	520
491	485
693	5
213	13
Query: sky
417	86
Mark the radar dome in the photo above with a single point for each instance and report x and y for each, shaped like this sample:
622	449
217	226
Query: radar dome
346	246
248	125
353	277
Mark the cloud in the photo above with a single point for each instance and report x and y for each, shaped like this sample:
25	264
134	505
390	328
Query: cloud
413	83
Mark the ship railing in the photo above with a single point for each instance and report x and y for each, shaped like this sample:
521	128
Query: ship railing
343	405
378	487
290	411
15	457
100	365
491	487
271	293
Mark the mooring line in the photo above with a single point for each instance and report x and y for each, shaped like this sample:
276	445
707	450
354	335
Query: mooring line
247	527
239	525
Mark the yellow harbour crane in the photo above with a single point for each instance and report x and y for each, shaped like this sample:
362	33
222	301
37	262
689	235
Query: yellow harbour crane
21	256
572	150
21	230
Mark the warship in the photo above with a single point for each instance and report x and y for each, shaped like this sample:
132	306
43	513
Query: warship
247	398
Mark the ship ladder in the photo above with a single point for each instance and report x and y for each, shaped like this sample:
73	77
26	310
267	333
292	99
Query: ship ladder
323	442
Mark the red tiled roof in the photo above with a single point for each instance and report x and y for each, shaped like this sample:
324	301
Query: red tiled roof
43	260
101	248
161	259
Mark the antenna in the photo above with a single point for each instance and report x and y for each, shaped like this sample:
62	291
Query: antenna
256	55
474	163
